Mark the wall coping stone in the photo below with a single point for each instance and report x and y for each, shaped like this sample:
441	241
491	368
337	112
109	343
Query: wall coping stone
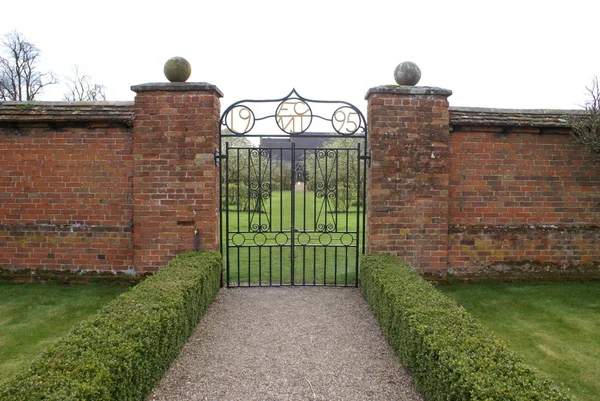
408	90
469	116
176	86
66	112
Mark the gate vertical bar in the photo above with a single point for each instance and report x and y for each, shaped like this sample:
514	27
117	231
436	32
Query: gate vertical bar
325	214
293	213
337	207
358	229
281	216
259	207
304	181
223	231
315	217
237	202
228	262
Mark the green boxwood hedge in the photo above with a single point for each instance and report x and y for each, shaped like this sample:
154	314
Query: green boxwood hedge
450	355
122	351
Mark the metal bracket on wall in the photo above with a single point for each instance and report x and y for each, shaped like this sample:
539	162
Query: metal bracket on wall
196	239
218	157
366	157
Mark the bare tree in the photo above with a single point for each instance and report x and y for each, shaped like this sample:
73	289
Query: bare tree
586	126
19	78
81	88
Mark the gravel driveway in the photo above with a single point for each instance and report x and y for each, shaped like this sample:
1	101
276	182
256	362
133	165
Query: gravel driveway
287	344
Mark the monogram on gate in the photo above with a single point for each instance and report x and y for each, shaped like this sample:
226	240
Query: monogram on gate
293	116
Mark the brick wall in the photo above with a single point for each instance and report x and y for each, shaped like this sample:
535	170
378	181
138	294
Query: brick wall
407	193
524	197
66	186
175	180
469	192
480	193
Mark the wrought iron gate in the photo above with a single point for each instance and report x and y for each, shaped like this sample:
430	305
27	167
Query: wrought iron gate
292	213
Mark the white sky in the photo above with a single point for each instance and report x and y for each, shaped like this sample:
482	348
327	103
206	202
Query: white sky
505	54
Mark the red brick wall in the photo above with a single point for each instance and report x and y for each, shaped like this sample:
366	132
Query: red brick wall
523	202
407	195
176	181
470	192
65	195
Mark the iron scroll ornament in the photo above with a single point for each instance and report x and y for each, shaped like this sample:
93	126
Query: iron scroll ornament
294	115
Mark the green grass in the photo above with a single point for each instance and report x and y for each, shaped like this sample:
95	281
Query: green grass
33	316
555	326
313	263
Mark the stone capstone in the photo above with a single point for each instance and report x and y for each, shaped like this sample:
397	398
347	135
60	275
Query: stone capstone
407	74
177	69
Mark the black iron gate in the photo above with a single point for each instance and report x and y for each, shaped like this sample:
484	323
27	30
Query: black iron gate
292	204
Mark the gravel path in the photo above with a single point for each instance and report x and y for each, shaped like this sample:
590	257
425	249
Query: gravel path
287	344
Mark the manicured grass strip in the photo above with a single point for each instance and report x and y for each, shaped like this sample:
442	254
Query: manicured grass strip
34	316
121	352
450	355
555	326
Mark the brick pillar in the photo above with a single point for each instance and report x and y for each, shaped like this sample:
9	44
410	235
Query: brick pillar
408	180
175	183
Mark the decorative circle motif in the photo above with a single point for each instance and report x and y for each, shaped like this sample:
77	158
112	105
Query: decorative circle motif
177	69
238	239
281	238
260	239
345	120
325	239
293	116
303	238
240	120
347	239
407	73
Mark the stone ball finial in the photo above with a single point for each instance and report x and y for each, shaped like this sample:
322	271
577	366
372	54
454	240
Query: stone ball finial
177	69
407	73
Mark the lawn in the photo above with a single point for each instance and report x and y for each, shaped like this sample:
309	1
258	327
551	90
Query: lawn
33	316
316	223
555	326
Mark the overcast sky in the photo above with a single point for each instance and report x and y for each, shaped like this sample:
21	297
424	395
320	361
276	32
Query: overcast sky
506	54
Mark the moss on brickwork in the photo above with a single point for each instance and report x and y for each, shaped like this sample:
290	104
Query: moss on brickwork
67	276
524	271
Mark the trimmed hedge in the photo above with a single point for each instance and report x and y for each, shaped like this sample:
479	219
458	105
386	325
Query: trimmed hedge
122	351
450	355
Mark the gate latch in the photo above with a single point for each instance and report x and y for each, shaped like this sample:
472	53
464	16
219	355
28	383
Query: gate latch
218	157
366	157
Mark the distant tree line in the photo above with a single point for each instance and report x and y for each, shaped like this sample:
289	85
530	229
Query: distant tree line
21	79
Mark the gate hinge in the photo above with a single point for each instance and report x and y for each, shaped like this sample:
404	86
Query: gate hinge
218	157
366	157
